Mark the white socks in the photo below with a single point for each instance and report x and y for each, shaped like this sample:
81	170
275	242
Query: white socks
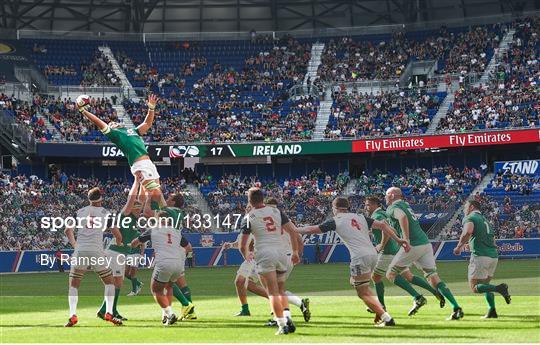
167	311
73	297
281	321
109	298
386	317
287	313
295	300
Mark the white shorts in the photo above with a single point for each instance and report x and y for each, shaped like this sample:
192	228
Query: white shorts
290	267
362	265
248	269
134	258
270	260
182	262
85	256
117	269
383	262
421	256
482	267
147	168
167	272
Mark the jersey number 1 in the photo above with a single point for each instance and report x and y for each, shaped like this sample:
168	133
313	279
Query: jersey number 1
169	239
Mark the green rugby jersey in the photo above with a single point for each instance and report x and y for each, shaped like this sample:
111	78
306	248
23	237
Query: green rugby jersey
417	236
391	247
129	233
482	241
127	140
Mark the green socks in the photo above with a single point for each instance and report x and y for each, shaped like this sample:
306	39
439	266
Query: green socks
103	308
418	281
490	299
187	292
116	295
480	288
445	291
379	288
179	295
134	284
405	285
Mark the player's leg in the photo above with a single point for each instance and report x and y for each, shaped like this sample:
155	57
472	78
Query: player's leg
131	274
181	289
379	288
269	281
75	277
281	277
161	292
118	272
400	263
302	303
242	284
361	270
361	285
480	272
426	262
107	278
423	283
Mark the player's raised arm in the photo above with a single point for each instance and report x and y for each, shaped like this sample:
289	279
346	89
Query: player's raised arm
468	229
149	119
132	198
82	103
117	236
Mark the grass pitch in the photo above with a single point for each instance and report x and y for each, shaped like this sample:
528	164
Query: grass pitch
34	308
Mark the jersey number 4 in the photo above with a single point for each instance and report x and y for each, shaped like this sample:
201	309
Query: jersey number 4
355	224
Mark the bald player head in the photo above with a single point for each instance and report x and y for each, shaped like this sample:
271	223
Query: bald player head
393	194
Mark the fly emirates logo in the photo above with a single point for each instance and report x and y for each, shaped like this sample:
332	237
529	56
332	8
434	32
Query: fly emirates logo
394	144
479	139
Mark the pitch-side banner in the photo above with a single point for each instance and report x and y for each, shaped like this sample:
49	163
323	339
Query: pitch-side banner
156	152
448	140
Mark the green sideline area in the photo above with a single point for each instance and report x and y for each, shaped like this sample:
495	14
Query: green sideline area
34	308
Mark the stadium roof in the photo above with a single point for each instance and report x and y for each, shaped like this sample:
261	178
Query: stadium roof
155	16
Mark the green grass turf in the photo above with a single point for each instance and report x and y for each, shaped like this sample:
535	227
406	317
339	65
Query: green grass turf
34	308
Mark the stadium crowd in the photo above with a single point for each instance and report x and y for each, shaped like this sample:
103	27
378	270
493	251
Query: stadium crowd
24	200
306	199
393	112
510	98
353	59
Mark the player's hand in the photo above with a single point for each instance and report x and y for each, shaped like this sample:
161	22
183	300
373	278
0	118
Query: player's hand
378	248
152	101
295	258
406	245
226	245
457	251
250	257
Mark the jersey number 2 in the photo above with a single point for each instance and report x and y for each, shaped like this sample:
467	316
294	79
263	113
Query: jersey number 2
269	223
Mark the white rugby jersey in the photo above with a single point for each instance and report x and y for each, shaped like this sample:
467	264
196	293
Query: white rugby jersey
354	230
90	235
166	242
265	223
